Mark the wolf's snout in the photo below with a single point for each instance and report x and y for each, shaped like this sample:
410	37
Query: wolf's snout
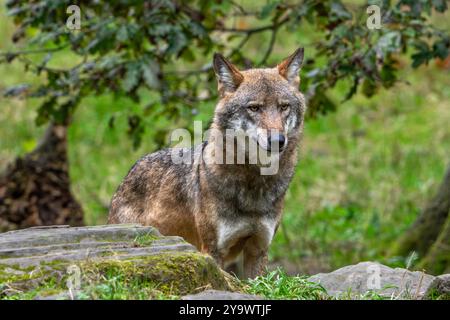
276	142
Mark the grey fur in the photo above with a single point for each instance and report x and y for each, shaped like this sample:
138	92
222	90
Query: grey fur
202	201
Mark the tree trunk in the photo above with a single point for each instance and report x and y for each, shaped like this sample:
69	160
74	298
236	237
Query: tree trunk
437	260
429	235
35	189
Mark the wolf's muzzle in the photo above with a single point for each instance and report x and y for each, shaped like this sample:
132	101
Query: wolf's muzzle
276	142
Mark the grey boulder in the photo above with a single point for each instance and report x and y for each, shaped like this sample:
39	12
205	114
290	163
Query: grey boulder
368	278
439	288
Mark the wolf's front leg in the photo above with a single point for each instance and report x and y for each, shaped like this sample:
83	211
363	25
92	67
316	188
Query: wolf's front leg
255	258
211	249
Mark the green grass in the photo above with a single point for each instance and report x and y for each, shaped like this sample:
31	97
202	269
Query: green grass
278	285
109	285
144	240
364	172
115	286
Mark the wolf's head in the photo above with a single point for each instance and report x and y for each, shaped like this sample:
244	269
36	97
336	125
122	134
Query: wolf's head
265	103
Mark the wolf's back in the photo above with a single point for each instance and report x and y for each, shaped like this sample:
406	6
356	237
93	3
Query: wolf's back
154	180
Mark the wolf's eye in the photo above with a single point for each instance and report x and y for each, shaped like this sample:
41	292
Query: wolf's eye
284	106
254	107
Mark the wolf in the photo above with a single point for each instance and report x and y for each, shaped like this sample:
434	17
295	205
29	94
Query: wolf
227	210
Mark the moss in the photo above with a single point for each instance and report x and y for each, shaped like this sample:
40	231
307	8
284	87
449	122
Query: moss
57	264
118	286
172	273
14	273
26	282
435	294
46	288
144	240
163	276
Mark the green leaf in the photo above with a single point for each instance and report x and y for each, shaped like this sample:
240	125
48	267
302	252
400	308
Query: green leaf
369	87
388	76
440	49
150	74
339	11
439	5
319	102
46	109
267	9
132	77
423	54
136	130
122	34
420	58
352	90
177	41
389	42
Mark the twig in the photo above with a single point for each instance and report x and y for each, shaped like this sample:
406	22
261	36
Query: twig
207	68
239	46
34	51
239	7
254	30
248	33
270	47
188	73
54	70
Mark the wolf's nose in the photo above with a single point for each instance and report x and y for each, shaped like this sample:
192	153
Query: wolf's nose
276	141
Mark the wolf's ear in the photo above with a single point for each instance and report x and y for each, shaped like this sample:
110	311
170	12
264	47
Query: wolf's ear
228	76
290	67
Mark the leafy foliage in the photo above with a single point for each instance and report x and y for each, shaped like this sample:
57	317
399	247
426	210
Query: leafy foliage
278	285
130	48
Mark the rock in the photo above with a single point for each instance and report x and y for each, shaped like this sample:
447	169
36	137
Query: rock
60	296
439	288
221	295
43	262
366	278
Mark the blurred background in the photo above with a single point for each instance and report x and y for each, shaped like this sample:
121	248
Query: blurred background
369	165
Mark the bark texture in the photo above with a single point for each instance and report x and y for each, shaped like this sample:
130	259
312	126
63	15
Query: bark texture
35	189
429	235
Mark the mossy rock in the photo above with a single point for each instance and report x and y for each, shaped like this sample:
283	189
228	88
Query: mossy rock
103	262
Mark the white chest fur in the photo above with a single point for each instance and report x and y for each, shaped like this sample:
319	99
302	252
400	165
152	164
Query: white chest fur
231	231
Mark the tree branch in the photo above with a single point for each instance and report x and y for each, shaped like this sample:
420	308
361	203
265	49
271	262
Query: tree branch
35	51
253	30
270	47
